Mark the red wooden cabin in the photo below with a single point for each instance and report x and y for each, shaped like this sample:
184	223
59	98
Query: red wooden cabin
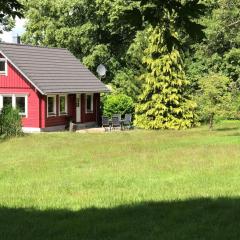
48	86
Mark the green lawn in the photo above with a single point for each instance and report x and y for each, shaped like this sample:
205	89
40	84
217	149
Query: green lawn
122	185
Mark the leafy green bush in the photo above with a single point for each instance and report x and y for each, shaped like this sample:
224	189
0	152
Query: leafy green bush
126	82
117	103
10	122
216	99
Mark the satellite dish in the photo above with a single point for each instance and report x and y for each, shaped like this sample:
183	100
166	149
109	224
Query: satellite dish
101	70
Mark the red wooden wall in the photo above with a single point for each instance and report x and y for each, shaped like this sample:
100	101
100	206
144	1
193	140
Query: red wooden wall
15	83
90	117
85	117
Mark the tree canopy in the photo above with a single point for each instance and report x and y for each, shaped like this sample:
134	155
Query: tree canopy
201	35
101	31
9	9
219	52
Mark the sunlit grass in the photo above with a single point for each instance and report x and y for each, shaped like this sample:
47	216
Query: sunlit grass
74	171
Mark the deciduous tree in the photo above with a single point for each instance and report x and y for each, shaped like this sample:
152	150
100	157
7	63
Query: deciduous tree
9	9
215	98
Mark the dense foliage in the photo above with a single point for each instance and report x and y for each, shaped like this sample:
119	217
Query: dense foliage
203	34
9	9
88	28
10	122
216	99
106	31
117	104
219	52
164	103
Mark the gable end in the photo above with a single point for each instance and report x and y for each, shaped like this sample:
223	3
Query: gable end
20	71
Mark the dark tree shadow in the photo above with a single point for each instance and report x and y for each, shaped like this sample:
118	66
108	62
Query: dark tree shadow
227	129
190	219
234	135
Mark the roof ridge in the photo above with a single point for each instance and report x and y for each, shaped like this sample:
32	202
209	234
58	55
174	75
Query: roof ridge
29	45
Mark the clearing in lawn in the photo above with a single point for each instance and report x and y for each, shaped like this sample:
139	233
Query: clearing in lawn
122	185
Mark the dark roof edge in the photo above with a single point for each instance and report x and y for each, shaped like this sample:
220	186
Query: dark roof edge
80	92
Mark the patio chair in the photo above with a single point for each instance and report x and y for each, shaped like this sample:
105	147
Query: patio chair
117	115
105	123
127	122
116	122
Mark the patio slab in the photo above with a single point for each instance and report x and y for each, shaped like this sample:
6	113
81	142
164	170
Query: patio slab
95	130
91	130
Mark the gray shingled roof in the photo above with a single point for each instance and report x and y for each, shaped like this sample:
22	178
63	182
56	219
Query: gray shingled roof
52	70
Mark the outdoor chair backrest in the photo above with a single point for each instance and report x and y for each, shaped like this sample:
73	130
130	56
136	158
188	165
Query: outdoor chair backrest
116	122
105	121
117	115
128	118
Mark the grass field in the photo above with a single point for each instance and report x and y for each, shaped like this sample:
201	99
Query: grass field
123	185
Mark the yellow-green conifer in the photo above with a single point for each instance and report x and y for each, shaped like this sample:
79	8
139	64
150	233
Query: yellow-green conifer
164	102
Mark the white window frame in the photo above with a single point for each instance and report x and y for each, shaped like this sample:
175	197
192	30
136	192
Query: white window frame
6	69
52	114
66	105
86	110
13	96
26	104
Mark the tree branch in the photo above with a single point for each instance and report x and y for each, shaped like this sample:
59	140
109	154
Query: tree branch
234	23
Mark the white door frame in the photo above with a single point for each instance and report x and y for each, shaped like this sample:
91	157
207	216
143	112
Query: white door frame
78	108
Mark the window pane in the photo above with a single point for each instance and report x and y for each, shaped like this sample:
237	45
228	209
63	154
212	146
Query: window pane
20	104
2	66
89	103
62	104
7	101
50	105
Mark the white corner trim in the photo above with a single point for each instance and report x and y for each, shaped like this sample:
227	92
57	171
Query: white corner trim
19	70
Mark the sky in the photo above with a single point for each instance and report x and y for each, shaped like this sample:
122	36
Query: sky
18	29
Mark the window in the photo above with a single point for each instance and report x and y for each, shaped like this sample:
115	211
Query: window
89	103
62	104
7	101
78	101
15	101
3	66
21	105
51	105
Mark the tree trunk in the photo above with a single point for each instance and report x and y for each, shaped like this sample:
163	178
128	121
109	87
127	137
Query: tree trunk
211	121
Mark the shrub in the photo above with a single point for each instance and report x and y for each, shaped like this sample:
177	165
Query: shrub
117	103
10	122
215	99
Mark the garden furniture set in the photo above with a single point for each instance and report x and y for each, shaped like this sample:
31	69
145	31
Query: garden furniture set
116	122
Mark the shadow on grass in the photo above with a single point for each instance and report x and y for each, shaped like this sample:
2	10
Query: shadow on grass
190	219
227	129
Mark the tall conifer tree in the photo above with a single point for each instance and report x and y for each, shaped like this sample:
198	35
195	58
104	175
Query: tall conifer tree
164	103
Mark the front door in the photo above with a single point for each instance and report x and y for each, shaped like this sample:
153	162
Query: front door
78	107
